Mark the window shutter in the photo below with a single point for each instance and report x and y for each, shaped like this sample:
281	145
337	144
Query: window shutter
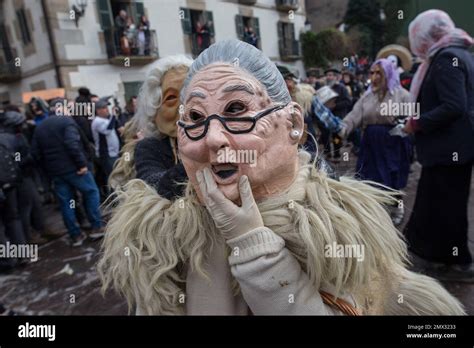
293	44
186	21
5	44
281	38
256	28
131	89
209	18
291	31
239	25
25	30
139	10
280	30
103	7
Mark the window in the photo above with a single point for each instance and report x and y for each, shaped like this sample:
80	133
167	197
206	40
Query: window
199	25
7	53
289	47
131	89
248	30
25	30
126	33
287	3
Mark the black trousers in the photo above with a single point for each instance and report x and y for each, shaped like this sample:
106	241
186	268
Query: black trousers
31	207
438	226
10	219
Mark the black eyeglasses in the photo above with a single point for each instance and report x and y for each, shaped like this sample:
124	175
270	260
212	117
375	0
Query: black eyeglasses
235	125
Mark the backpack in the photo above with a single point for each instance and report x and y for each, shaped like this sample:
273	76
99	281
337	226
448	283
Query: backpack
10	174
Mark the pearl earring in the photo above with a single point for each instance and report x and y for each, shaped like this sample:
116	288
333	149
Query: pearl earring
295	134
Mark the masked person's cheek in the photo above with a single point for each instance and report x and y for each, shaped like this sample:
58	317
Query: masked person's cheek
193	151
166	120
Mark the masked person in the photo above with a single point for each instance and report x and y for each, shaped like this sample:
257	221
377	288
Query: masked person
154	158
257	236
383	158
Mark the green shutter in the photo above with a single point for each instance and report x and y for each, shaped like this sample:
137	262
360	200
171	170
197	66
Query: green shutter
281	39
139	10
103	7
25	31
131	89
291	31
239	25
280	29
5	45
256	28
186	21
208	17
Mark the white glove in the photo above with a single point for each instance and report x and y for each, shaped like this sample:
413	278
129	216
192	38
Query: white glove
231	220
398	131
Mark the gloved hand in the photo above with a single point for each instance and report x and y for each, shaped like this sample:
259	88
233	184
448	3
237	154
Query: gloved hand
231	220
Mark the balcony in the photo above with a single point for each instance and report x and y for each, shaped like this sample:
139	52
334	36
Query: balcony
247	2
140	52
289	49
9	72
287	5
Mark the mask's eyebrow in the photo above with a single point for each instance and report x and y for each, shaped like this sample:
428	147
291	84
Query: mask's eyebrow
244	88
196	94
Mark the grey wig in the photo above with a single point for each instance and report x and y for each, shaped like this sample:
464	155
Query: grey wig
150	96
246	57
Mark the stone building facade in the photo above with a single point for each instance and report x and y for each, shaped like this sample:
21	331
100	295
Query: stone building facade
46	44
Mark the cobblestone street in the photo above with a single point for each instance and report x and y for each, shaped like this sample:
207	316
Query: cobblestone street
64	280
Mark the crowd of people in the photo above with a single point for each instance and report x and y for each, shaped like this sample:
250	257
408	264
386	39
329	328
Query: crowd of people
52	158
131	38
77	162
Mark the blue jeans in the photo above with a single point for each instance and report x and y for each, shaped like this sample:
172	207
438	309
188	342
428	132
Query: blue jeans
64	186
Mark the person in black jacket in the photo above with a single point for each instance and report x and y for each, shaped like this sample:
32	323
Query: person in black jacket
16	146
444	133
29	200
58	148
83	120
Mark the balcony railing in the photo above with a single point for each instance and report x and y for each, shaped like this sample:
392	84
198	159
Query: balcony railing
141	49
289	49
247	2
287	5
9	72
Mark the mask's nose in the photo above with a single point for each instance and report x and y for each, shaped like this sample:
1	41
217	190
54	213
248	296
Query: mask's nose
215	137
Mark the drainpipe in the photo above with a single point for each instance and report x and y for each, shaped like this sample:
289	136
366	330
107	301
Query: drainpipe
52	45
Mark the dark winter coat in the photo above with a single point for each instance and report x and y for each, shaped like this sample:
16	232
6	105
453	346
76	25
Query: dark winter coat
57	146
446	98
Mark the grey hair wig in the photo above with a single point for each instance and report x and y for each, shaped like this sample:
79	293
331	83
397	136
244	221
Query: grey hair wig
246	57
150	95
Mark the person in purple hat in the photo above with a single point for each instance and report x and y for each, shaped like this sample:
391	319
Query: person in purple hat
383	158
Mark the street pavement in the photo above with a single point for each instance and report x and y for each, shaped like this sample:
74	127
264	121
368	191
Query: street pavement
64	280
